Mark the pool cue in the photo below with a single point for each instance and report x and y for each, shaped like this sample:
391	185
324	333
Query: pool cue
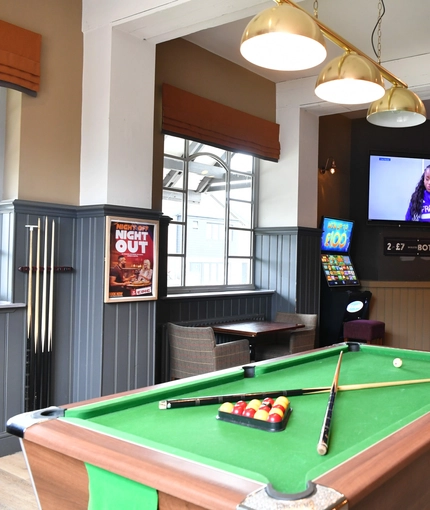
37	353
322	446
219	399
30	359
50	315
43	339
44	284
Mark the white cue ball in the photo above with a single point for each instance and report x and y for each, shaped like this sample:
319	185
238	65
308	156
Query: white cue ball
397	362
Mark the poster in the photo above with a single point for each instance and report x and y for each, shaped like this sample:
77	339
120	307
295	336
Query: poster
131	265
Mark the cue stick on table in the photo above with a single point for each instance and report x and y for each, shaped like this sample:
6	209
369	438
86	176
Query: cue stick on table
322	446
219	399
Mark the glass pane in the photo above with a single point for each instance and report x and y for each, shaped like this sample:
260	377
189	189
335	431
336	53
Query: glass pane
240	214
205	271
173	205
174	145
173	173
239	243
239	271
206	174
174	271
241	187
175	243
241	162
196	147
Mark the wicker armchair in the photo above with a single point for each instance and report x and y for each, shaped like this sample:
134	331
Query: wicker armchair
299	340
193	351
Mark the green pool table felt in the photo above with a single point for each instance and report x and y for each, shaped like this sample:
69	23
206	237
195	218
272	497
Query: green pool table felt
287	459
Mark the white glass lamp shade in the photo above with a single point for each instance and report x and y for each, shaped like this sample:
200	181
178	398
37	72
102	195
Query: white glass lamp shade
283	38
350	79
399	108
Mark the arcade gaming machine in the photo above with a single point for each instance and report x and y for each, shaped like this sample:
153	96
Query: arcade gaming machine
340	300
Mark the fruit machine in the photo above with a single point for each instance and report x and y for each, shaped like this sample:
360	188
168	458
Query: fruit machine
341	299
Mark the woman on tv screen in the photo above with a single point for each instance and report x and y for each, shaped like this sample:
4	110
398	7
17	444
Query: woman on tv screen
419	205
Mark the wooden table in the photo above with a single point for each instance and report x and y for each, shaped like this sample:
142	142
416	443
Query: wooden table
258	330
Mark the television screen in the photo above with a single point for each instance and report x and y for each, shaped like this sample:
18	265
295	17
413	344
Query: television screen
399	189
336	235
338	270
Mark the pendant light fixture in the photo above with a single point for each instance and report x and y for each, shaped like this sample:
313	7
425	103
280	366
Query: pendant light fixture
398	108
284	39
350	79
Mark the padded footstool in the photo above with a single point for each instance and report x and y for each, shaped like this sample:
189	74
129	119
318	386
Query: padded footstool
371	332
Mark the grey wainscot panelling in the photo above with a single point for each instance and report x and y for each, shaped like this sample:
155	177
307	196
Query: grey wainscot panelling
98	348
287	260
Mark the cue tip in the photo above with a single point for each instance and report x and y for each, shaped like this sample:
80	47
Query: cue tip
322	448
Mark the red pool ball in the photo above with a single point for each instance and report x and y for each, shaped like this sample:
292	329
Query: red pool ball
268	401
238	410
279	406
249	412
274	418
264	408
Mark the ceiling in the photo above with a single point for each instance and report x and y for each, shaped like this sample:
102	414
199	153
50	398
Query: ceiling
404	34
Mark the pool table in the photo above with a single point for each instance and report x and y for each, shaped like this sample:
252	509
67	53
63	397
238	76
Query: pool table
124	451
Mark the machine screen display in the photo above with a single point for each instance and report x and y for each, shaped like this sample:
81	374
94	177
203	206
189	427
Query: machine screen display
338	270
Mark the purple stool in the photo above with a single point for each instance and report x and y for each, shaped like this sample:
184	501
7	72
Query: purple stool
371	332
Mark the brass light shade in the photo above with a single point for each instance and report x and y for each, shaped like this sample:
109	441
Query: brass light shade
350	79
283	38
399	108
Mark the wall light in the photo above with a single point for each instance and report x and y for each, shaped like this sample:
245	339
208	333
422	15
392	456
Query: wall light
330	166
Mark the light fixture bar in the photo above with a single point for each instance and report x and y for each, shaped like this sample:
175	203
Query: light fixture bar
346	45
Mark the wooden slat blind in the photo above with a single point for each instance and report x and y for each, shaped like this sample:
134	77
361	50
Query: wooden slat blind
19	58
203	120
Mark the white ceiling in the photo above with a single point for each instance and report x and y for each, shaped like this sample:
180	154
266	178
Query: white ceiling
404	33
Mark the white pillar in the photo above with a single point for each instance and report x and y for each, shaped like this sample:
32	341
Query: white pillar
117	120
289	189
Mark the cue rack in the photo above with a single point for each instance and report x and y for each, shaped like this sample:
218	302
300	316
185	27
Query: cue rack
40	315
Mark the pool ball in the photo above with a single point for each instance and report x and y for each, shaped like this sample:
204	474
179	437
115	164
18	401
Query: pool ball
279	406
283	401
274	418
226	407
254	403
277	410
261	414
249	412
268	401
397	362
239	409
264	408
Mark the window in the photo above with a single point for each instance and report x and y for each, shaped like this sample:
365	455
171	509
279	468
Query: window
209	194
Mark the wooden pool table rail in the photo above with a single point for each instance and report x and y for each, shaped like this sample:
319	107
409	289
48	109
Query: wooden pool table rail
169	474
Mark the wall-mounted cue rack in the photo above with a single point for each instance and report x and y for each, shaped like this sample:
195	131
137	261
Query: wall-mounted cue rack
40	314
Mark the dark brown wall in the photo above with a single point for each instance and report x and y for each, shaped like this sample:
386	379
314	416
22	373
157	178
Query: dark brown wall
344	194
191	68
334	142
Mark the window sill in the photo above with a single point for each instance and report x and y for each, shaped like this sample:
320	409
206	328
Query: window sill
217	294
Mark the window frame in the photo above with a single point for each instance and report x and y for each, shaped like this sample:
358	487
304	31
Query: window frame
186	158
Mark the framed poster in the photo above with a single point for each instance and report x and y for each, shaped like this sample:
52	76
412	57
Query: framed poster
131	260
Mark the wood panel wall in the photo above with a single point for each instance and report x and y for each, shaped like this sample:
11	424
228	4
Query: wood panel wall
403	306
287	261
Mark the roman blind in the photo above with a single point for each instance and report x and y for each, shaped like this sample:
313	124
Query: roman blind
196	118
19	58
